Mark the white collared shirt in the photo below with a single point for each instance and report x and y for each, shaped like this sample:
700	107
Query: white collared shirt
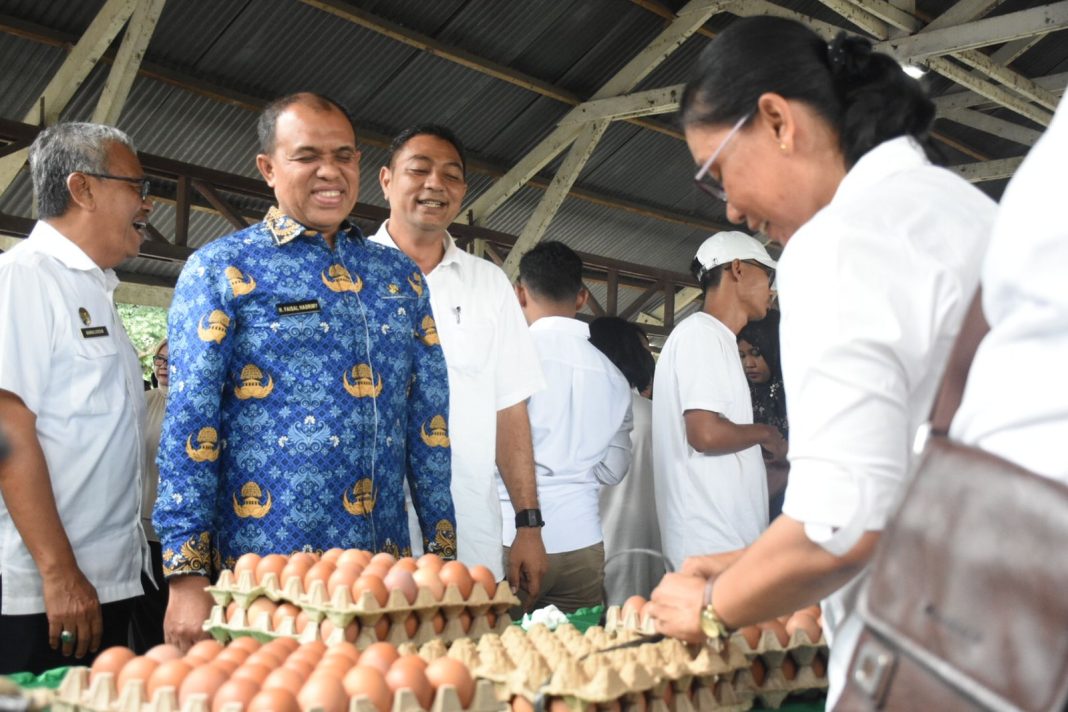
64	352
873	290
580	425
1016	401
706	504
492	365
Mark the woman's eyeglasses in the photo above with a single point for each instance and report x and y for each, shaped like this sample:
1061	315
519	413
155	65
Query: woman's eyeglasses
704	179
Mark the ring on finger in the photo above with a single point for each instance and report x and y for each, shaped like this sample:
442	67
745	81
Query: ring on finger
66	636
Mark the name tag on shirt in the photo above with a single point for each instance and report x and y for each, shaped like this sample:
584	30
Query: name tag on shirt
93	332
306	307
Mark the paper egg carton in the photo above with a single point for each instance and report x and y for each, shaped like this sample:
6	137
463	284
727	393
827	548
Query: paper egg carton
776	687
771	651
76	694
263	629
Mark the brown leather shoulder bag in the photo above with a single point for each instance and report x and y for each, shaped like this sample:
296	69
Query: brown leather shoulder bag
966	604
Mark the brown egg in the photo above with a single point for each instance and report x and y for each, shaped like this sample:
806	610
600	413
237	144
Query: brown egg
465	620
271	564
428	579
382	557
481	574
438	621
284	611
449	671
240	691
111	661
297	567
163	652
332	555
751	633
369	681
253	672
227	666
634	604
243	642
379	656
302	621
491	619
802	621
232	653
777	628
168	674
409	672
259	608
407	563
759	672
819	666
269	659
382	628
403	581
411	625
336	665
789	668
139	668
319	572
273	701
343	577
345	649
301	666
430	561
521	704
353	557
284	678
246	562
206	649
194	661
204	680
231	612
373	584
454	573
323	691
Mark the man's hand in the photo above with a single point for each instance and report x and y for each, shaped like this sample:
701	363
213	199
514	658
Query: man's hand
676	607
527	562
189	606
72	605
710	566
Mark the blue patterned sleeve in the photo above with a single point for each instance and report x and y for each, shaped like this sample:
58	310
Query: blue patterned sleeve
199	330
429	453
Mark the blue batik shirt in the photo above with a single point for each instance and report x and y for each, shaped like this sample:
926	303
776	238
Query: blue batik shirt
306	384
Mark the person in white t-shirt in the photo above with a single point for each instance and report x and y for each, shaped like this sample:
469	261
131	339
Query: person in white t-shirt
711	485
492	365
72	403
825	149
580	423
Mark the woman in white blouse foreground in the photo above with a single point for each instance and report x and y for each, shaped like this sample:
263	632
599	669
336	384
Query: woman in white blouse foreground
825	149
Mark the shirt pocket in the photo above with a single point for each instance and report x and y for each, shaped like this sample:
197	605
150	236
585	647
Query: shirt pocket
97	380
467	347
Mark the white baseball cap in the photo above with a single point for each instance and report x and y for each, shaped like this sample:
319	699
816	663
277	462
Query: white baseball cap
725	247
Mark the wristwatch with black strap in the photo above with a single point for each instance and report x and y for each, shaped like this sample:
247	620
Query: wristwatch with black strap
528	518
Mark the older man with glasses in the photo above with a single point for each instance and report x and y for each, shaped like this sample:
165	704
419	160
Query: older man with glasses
71	403
711	483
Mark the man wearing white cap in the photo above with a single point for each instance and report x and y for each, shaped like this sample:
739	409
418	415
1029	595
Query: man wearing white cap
711	485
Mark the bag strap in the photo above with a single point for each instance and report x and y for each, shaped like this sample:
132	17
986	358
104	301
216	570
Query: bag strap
951	391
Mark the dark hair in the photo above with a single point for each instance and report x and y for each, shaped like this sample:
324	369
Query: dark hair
442	132
265	127
623	342
865	96
707	279
764	335
552	270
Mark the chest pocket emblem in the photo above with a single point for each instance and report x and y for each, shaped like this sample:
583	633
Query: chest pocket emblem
83	314
338	279
251	505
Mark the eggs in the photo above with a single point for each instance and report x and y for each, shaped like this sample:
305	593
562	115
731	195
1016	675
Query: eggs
400	579
271	564
323	691
169	674
447	671
204	680
408	672
454	573
482	575
111	661
240	691
370	682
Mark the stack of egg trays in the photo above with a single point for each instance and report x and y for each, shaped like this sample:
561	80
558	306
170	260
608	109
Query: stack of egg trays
776	687
659	675
340	610
76	694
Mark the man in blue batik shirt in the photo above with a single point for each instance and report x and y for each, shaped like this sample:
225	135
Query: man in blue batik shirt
307	381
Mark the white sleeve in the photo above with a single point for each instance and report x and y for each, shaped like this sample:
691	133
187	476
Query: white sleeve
26	325
518	370
701	372
613	468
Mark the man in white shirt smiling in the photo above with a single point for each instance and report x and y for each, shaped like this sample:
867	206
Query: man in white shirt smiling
491	361
711	484
581	426
72	403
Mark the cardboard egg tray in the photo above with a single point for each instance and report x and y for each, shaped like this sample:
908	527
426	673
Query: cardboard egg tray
776	687
263	630
14	697
76	694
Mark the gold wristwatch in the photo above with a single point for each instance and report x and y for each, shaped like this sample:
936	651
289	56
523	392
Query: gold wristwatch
711	625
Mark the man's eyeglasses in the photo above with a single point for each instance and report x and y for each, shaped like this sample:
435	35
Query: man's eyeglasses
767	270
160	361
704	178
143	183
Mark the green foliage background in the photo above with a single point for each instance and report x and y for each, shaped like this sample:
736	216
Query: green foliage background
146	326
